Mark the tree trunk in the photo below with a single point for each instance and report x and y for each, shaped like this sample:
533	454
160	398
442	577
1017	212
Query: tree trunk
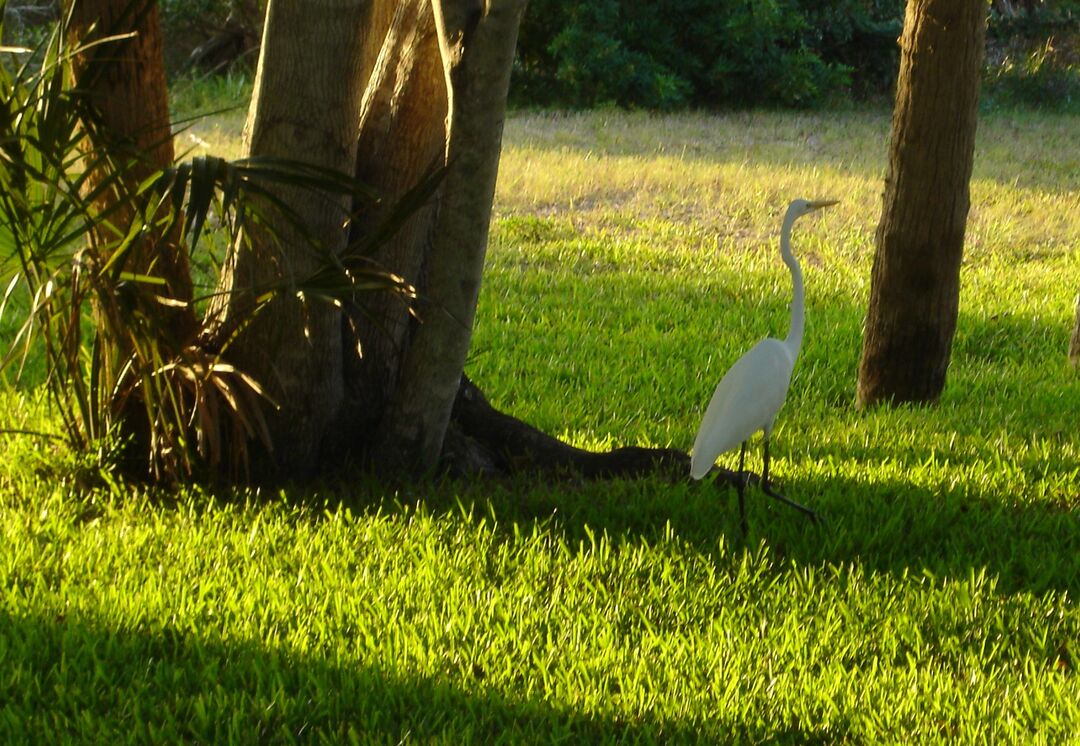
305	107
402	135
477	42
403	132
915	284
395	401
124	82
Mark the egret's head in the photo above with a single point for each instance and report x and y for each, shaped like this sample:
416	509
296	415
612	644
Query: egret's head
801	207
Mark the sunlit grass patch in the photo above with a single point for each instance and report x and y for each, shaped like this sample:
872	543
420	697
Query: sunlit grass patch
209	113
633	258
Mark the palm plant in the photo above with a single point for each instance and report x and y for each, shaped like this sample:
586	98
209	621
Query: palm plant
81	255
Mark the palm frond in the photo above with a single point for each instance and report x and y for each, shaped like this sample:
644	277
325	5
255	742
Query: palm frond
75	234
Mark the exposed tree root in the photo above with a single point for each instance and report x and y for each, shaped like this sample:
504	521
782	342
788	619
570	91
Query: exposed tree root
483	440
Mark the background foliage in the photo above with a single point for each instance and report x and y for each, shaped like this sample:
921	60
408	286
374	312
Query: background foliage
668	54
1034	61
674	54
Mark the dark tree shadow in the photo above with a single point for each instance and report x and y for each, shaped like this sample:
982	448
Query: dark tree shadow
886	527
73	680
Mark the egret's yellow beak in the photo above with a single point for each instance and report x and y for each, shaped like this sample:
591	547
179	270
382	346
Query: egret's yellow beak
818	204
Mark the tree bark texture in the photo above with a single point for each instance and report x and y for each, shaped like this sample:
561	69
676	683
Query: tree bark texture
305	107
380	18
915	282
124	82
402	135
435	97
477	41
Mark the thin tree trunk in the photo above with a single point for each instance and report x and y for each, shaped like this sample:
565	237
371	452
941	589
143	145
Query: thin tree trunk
124	81
914	293
402	135
477	41
305	106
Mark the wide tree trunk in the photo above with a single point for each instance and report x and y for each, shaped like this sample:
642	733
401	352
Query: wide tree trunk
915	285
124	82
384	381
305	106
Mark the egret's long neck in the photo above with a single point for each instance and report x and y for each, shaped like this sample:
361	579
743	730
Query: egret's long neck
798	299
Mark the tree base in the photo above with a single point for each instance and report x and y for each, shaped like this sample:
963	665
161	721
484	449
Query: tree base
484	441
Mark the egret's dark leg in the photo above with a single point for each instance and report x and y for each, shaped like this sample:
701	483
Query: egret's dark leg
768	490
743	477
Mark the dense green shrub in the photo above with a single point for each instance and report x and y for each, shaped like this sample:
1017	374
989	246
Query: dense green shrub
669	53
663	54
861	36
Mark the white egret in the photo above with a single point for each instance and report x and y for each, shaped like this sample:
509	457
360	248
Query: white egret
751	393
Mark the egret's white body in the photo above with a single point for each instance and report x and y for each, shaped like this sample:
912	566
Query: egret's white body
746	400
751	393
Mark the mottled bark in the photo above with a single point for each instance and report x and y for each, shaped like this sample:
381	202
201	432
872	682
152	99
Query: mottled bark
305	107
402	135
477	42
915	284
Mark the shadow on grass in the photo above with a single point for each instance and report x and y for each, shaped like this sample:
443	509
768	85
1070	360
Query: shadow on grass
67	680
899	527
1002	379
886	527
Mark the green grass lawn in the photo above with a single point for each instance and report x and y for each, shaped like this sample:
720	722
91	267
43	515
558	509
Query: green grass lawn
633	259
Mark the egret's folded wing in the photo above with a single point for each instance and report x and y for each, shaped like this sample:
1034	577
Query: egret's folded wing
746	400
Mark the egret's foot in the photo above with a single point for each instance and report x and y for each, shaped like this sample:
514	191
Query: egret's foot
768	490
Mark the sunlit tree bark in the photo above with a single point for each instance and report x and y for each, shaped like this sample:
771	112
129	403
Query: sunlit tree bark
477	43
124	81
305	106
915	283
402	137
